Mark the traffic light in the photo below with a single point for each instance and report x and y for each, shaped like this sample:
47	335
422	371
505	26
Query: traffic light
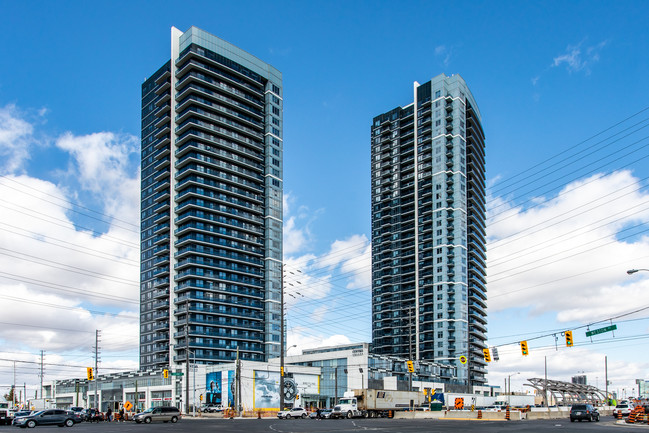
524	350
494	350
201	397
90	375
411	367
569	338
281	371
487	355
165	373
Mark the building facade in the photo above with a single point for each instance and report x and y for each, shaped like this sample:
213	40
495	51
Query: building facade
352	366
428	229
211	205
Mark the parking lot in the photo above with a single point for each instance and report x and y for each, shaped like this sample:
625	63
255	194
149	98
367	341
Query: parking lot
209	425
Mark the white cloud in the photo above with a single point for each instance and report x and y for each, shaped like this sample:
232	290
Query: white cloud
59	282
445	53
576	58
15	139
323	290
308	338
568	246
102	165
296	236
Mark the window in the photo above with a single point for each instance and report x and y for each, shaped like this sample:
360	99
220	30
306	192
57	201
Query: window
275	89
275	152
275	100
275	111
275	121
438	93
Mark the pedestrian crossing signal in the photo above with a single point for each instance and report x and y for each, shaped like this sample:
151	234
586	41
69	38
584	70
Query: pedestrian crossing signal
569	338
487	355
524	350
91	376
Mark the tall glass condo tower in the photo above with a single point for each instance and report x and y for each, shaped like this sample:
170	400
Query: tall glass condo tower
428	229
211	211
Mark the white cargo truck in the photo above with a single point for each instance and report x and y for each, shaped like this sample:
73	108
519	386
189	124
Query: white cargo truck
374	403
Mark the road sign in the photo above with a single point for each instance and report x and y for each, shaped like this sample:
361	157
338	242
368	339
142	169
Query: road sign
128	405
463	359
178	374
601	330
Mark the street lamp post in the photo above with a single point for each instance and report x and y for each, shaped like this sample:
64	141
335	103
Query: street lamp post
509	385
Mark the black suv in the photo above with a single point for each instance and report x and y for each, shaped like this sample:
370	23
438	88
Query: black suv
583	411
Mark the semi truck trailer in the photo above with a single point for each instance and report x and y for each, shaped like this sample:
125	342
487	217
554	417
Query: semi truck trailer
372	403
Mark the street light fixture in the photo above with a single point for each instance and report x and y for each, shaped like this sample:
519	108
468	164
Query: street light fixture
633	271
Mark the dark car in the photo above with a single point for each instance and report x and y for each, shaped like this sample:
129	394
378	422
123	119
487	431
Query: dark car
583	412
46	417
92	415
76	416
20	414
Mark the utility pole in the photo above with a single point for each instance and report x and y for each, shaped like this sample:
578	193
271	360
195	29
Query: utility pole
545	384
606	377
237	386
335	386
281	341
410	345
187	363
41	374
97	334
13	393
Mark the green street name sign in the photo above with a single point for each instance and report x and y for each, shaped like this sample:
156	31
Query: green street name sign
601	330
177	374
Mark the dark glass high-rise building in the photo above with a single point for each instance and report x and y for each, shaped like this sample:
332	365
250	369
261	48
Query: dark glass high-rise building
428	229
211	210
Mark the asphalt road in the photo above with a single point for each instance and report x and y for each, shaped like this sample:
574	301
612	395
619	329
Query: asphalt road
270	425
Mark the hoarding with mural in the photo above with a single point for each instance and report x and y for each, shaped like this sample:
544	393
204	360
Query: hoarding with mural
213	387
266	388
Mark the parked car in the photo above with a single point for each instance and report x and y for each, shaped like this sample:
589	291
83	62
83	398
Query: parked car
77	409
211	408
296	412
46	417
77	416
324	414
155	414
92	415
583	412
20	414
623	408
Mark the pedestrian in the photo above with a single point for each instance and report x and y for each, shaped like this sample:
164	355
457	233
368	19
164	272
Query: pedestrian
109	414
121	414
318	414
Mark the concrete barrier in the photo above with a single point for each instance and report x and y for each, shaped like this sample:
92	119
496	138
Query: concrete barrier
486	415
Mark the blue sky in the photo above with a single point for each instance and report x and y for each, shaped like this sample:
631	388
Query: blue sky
546	76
